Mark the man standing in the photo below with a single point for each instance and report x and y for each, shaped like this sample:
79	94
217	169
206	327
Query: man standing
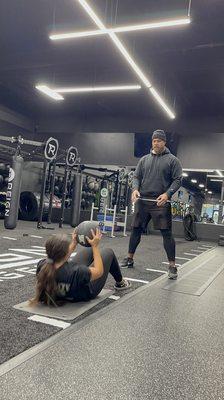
157	177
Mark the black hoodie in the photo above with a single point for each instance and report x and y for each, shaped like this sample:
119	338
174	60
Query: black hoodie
158	173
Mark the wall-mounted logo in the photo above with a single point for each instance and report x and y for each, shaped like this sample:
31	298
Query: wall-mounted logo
51	149
104	192
11	174
71	157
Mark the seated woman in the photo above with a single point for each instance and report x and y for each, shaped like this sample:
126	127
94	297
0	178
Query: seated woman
80	278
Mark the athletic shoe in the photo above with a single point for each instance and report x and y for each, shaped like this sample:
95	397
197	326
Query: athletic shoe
122	285
172	272
127	263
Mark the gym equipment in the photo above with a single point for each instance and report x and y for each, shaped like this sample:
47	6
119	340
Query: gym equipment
76	199
13	192
151	200
30	202
189	227
83	230
111	224
50	154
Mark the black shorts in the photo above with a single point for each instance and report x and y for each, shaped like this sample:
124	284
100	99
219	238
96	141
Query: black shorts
145	211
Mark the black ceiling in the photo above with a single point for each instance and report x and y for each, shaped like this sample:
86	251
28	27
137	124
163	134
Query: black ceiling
186	64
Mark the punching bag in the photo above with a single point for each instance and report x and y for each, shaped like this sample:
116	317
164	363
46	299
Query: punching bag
13	193
76	199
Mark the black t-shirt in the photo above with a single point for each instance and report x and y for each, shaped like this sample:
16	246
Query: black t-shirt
72	281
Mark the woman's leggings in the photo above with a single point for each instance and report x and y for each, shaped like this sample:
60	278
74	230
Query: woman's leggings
168	242
110	264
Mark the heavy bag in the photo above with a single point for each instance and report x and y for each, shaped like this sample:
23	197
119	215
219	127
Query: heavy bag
83	230
13	193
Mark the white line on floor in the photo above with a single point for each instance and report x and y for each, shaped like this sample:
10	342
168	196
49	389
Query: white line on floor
206	245
183	258
8	238
155	270
198	251
49	321
38	237
113	297
136	280
190	254
201	248
38	247
167	263
19	264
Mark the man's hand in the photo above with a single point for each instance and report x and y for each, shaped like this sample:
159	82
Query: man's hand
162	199
94	242
135	195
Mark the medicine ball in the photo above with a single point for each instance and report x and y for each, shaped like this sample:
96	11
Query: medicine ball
83	230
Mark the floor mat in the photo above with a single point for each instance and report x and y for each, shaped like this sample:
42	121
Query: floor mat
67	312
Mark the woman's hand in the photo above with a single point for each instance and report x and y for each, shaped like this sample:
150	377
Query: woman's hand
74	238
94	242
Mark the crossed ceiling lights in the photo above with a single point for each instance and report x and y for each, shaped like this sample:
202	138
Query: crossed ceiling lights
55	93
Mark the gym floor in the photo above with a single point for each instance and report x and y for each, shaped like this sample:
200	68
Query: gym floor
24	246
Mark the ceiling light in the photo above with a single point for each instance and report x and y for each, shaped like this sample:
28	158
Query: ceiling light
219	173
184	174
194	180
201	185
216	180
162	103
119	29
127	56
209	192
49	92
96	89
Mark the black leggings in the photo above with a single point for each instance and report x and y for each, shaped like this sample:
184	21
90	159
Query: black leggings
168	242
110	264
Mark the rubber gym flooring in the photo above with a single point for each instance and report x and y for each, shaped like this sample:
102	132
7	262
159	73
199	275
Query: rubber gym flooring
22	247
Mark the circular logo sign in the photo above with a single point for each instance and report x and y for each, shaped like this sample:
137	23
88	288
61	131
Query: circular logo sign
104	192
11	174
51	149
71	157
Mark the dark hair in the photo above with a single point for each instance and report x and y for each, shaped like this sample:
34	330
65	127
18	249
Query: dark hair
57	248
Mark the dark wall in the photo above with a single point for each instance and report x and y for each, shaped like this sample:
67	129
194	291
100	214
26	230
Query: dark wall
201	142
110	140
202	151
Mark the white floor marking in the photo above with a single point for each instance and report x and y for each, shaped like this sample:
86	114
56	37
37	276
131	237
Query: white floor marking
9	257
183	258
38	247
49	321
113	297
35	236
39	252
19	264
136	280
28	270
206	245
201	248
8	238
167	263
198	251
190	254
155	270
